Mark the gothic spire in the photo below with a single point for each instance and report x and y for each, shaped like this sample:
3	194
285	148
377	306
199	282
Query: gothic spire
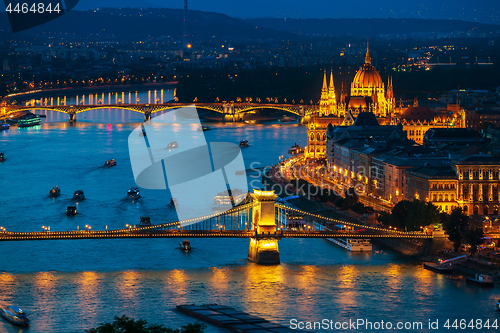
324	80
368	59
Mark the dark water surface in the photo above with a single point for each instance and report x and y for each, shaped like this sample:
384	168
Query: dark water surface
73	285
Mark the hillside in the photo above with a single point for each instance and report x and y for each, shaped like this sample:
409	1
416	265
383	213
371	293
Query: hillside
133	23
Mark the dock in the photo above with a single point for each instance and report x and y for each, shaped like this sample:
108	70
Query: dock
438	268
232	319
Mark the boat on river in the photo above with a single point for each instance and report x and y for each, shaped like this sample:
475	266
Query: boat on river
227	198
497	305
78	195
145	221
353	244
15	315
29	120
173	145
55	192
244	144
110	163
445	266
185	245
481	280
2	157
133	193
204	128
295	150
71	211
4	126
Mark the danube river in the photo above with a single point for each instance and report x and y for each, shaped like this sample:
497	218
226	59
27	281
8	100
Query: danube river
70	286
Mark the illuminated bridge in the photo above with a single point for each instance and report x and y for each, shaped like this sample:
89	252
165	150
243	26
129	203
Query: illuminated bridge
263	221
232	111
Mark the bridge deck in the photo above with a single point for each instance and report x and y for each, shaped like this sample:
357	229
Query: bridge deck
69	235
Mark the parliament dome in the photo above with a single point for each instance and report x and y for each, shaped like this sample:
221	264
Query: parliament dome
367	76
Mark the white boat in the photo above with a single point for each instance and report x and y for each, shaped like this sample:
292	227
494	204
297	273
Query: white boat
227	198
15	315
353	244
173	145
482	280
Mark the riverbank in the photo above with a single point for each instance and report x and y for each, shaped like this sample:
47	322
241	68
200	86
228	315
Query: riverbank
414	249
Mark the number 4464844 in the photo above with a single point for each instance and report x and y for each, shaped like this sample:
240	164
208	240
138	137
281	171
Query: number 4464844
34	8
477	324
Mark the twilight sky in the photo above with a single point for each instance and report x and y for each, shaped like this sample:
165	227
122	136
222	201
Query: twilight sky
484	11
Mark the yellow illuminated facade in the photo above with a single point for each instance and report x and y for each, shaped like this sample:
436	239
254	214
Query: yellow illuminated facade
368	94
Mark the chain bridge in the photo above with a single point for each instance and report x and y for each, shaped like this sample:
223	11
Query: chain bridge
263	221
231	111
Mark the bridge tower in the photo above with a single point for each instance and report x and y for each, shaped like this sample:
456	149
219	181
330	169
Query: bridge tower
147	112
263	247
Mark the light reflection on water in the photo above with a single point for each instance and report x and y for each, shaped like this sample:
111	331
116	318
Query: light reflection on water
74	285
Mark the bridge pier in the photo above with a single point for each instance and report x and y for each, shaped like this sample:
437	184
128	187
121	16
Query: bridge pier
228	118
72	117
436	244
147	116
264	249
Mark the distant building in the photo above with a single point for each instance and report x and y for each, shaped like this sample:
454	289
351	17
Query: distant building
458	136
417	120
479	118
470	182
436	184
468	97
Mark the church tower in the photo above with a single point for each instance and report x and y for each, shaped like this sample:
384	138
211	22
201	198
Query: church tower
332	99
343	101
324	107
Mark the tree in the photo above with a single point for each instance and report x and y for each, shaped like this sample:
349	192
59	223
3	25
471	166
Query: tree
351	198
456	226
384	218
474	237
430	215
399	214
124	324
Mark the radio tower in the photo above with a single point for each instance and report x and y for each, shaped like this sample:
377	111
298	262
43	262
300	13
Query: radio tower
185	34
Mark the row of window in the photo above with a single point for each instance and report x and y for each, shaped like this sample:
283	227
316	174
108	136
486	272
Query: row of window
441	186
318	136
475	174
440	197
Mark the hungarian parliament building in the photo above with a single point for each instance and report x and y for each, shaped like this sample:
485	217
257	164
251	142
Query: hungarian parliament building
368	93
392	153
